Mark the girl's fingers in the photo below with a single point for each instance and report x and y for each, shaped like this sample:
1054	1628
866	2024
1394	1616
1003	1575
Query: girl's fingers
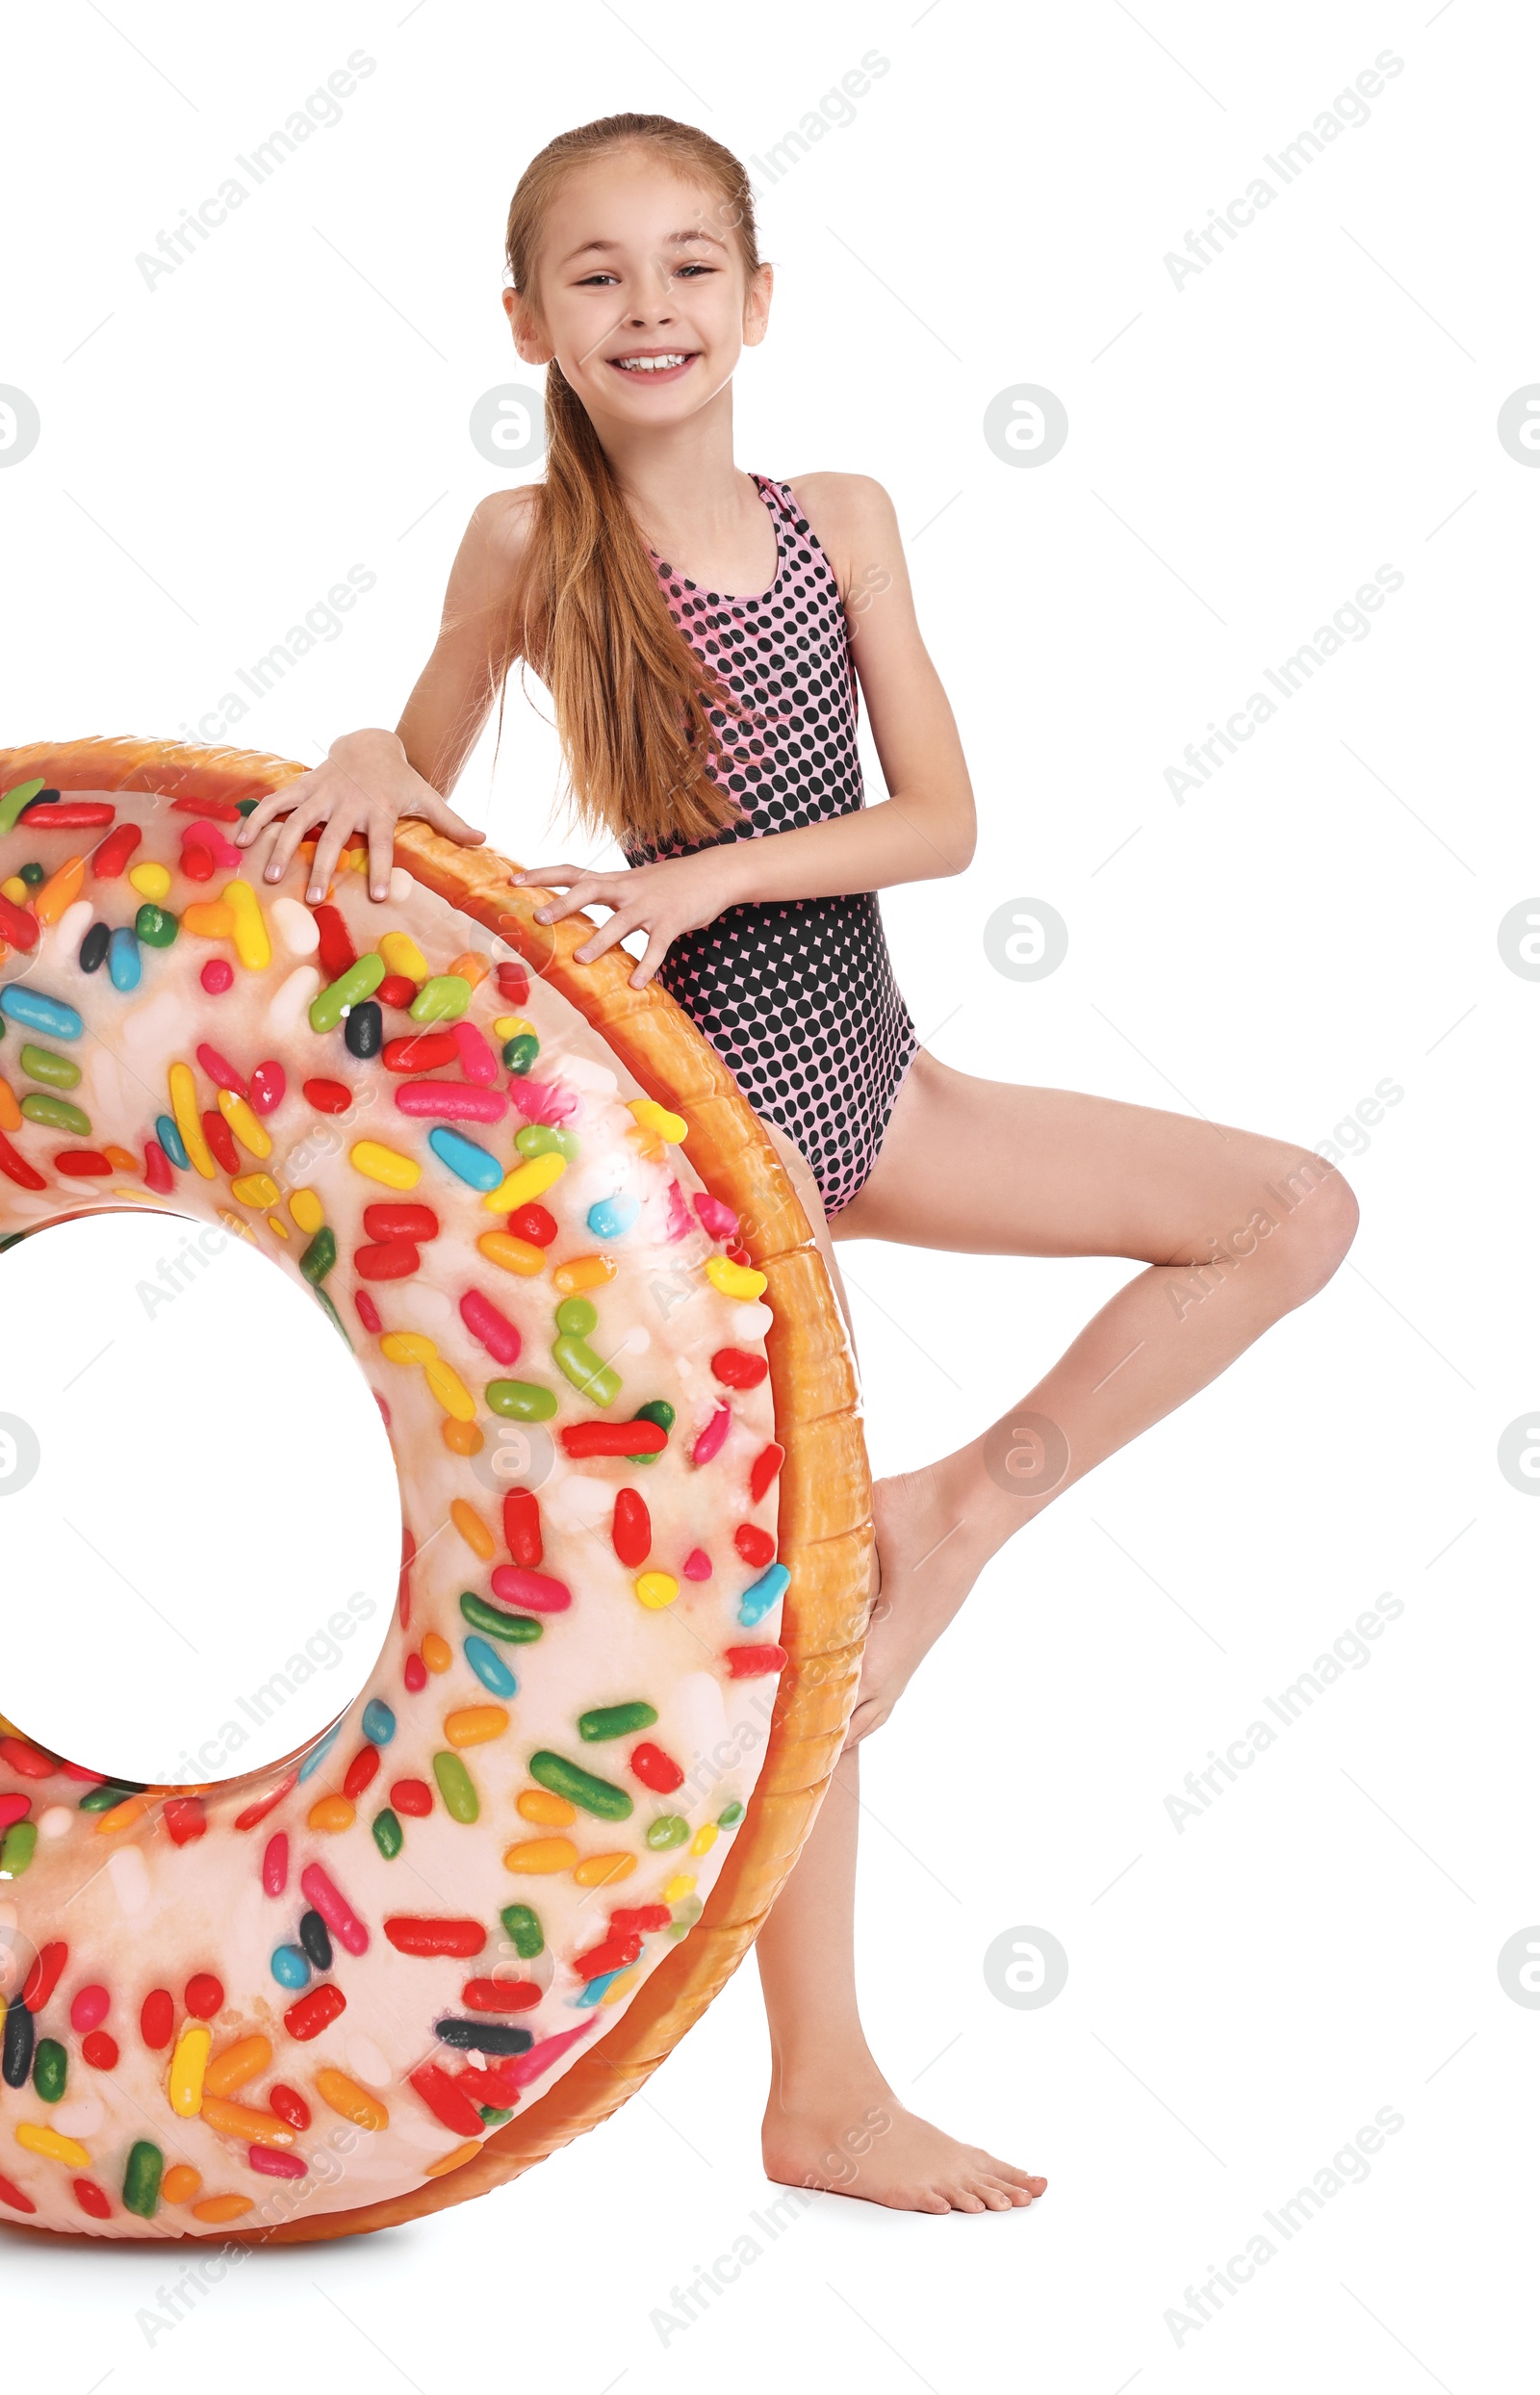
444	818
287	838
276	803
552	876
381	857
328	854
650	958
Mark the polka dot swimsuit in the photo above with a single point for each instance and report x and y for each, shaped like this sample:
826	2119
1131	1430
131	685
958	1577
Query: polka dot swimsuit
797	996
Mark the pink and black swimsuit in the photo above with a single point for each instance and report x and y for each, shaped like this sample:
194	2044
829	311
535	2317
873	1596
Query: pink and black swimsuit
798	995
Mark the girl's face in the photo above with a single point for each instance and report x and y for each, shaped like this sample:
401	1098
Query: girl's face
642	297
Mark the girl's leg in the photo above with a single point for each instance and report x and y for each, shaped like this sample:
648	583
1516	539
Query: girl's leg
832	2120
1235	1230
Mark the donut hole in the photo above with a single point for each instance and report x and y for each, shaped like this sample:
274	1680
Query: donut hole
200	1522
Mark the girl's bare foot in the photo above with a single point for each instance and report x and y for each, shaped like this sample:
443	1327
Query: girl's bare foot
929	1555
856	2139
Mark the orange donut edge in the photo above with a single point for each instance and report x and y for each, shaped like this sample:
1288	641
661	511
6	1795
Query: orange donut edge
826	1535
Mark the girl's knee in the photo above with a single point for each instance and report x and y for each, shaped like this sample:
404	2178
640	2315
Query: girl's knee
1318	1223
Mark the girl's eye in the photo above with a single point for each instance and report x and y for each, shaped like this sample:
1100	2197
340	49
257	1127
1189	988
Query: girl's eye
696	266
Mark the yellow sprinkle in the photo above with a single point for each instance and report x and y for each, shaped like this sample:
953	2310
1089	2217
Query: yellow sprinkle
245	2060
475	1725
331	1812
655	1117
233	1223
437	1653
208	919
704	1839
473	1530
182	2182
583	1272
619	1989
151	881
276	1222
256	1189
541	1854
734	1280
552	1812
407	1346
513	1026
51	2146
390	1166
185	1114
15	889
245	1124
526	1183
189	2064
453	2161
655	1589
599	1870
252	945
403	956
353	2102
513	1255
676	1890
451	1391
219	2208
307	1210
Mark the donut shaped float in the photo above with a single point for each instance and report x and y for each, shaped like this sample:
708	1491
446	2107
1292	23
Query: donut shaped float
404	1964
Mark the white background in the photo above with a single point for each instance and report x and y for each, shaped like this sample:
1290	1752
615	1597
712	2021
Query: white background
1243	453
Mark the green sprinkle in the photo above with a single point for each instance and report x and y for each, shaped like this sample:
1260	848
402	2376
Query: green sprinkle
669	1829
247	806
519	1052
520	1401
141	2179
733	1813
388	1837
492	2117
685	1917
616	1721
441	999
600	1797
516	1628
103	1799
359	982
34	876
522	1924
657	1409
456	1788
42	1065
20	1845
593	1378
156	927
55	1112
320	1256
576	1316
547	1139
20	795
50	2070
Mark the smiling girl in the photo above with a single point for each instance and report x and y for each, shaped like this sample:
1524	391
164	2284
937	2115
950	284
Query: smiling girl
711	737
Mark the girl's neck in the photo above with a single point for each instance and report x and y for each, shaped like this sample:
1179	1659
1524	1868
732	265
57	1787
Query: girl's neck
694	505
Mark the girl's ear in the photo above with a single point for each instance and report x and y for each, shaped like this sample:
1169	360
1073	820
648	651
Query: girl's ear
756	307
527	338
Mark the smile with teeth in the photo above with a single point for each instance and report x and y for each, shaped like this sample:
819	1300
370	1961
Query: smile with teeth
654	364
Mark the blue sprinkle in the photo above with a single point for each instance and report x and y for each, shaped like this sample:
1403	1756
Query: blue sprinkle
474	1165
40	1014
290	1968
319	1753
490	1668
767	1590
170	1139
612	1216
593	1992
379	1723
122	958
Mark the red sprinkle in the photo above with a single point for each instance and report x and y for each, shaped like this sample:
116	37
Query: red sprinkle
337	951
445	2100
220	809
522	1533
632	1530
270	1084
513	983
14	1808
368	1312
640	1917
753	1663
411	1933
90	2198
531	1592
361	1770
329	1098
89	2009
613	1438
655	1770
197	863
185	1819
216	976
391	1220
221	1145
45	1975
204	1995
395	990
18	928
737	1369
157	1168
610	1954
316	2009
263	1805
487	1323
420	1051
712	1436
82	1164
16	1168
220	1071
755	1546
157	2018
413	1672
70	814
100	2050
763	1469
272	2164
20	1755
289	2106
501	1996
390	1259
413	1797
276	1866
534	1222
110	861
697	1564
19	2202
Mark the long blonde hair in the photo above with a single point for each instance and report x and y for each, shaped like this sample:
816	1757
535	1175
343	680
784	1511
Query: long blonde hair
639	713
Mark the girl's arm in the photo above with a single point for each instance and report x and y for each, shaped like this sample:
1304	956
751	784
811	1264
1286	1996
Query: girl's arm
923	829
371	778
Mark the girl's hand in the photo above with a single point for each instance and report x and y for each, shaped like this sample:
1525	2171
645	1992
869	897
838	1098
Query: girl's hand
365	784
677	894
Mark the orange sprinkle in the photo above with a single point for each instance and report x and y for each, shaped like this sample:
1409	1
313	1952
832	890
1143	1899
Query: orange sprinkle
473	967
473	1530
453	2161
353	2102
437	1653
514	1255
209	919
9	1111
123	1816
121	1159
259	2128
461	1438
331	1812
598	1870
60	891
541	1854
238	2063
181	2184
538	1804
474	1725
581	1272
221	2207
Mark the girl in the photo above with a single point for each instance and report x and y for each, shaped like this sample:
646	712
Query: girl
712	738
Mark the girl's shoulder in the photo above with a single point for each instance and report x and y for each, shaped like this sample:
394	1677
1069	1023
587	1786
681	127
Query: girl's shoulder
502	523
852	515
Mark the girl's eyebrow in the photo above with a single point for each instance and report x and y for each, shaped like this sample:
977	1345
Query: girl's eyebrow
670	241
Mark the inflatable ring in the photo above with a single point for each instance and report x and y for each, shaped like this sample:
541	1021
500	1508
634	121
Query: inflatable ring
233	2014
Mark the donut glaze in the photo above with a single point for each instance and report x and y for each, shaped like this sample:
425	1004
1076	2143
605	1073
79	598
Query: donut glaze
503	1883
